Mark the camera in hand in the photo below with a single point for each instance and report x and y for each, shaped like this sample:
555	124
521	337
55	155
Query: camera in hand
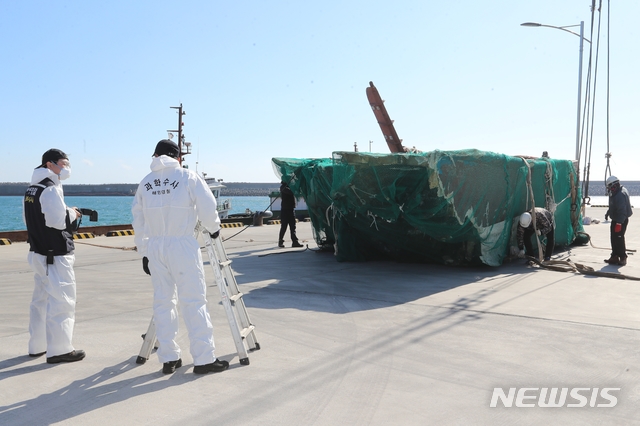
92	214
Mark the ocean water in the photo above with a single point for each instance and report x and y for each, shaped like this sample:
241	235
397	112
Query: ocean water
117	210
111	210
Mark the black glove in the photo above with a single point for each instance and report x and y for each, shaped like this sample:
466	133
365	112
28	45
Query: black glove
606	217
145	265
215	234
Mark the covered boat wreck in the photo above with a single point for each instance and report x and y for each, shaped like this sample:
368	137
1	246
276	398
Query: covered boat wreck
448	207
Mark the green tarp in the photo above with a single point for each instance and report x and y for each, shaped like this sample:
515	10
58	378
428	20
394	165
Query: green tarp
450	207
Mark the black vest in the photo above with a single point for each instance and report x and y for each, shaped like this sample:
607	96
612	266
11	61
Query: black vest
43	239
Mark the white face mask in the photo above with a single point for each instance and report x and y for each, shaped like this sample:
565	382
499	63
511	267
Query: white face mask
65	173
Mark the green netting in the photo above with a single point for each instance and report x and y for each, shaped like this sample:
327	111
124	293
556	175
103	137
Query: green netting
451	207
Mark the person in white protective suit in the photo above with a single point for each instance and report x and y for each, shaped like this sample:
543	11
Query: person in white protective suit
50	224
168	203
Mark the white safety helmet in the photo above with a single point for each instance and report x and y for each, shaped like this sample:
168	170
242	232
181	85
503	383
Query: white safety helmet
525	219
611	180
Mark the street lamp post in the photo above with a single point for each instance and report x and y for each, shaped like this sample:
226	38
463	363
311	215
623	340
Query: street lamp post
581	35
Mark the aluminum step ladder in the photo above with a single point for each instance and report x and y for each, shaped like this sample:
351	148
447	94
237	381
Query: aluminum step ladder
242	330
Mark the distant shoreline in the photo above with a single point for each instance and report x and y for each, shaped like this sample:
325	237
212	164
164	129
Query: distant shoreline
232	189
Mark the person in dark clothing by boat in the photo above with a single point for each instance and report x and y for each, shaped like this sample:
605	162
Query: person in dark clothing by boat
287	215
543	226
619	211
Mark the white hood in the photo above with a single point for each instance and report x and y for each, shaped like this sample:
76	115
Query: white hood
41	173
163	162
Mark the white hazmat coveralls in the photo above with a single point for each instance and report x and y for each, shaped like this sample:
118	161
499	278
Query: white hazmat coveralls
168	203
53	304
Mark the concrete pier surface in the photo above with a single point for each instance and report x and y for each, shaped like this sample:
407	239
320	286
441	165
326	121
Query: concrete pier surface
375	343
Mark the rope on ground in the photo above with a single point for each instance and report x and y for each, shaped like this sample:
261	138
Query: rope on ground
227	239
237	233
102	246
287	251
601	248
568	266
591	242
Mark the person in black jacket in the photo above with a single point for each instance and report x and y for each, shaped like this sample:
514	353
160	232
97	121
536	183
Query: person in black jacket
619	211
50	225
287	215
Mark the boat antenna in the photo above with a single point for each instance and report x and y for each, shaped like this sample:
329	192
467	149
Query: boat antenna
180	135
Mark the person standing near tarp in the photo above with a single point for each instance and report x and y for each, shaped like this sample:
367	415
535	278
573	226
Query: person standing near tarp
287	215
619	211
168	204
543	226
50	226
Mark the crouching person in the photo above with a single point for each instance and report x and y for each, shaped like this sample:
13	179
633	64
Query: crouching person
543	227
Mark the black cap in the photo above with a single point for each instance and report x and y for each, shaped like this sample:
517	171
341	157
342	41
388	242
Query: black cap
167	147
53	155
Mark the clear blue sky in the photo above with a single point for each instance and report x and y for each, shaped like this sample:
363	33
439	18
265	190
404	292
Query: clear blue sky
263	79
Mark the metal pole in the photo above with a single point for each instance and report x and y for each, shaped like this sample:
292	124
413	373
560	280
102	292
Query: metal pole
180	114
579	93
582	39
180	133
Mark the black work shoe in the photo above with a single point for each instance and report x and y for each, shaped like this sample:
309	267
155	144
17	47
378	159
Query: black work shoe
613	260
623	261
215	367
281	244
170	367
296	244
38	354
72	356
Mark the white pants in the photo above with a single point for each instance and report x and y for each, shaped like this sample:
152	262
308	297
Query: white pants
177	274
53	305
